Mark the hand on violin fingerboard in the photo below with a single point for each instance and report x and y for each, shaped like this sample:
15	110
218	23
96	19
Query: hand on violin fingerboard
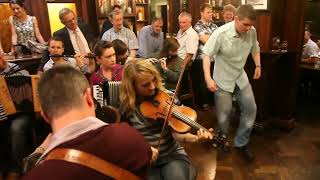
188	137
203	135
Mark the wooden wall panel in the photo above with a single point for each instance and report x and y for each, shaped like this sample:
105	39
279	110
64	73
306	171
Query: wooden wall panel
263	27
38	8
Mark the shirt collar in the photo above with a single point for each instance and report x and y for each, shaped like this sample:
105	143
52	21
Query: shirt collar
233	31
114	30
72	31
72	131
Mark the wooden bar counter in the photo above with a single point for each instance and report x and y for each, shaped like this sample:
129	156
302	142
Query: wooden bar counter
275	92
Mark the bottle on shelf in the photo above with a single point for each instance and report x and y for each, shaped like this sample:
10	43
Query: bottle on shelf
140	16
129	10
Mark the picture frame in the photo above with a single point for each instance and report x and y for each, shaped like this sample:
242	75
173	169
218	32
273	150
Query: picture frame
221	3
257	4
122	3
103	7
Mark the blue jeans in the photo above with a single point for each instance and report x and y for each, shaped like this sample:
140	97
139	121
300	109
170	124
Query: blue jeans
20	131
172	169
248	108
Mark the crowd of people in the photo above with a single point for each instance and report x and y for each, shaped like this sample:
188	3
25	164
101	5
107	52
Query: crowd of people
68	107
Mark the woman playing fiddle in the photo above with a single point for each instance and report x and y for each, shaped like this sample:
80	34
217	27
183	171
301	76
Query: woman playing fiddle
140	82
106	57
23	26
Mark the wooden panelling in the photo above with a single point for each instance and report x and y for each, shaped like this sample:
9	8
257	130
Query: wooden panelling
38	8
263	27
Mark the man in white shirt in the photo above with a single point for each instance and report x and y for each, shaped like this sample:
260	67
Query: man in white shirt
310	48
56	48
187	38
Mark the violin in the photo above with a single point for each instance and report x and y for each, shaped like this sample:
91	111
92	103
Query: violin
181	119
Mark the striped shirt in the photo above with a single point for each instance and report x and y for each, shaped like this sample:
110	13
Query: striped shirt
151	130
125	35
3	115
203	29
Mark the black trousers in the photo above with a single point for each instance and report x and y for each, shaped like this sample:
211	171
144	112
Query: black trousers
201	92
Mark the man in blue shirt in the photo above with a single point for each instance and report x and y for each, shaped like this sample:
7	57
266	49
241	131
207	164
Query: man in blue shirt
230	46
151	39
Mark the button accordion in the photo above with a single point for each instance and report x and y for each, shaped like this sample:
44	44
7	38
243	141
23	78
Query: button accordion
107	93
18	93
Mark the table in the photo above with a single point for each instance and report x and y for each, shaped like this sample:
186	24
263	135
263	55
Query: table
29	63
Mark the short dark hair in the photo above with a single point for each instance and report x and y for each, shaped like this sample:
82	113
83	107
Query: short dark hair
56	38
204	6
154	19
116	6
169	44
61	89
100	47
19	2
119	47
246	11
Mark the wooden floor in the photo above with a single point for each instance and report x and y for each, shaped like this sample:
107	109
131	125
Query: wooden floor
280	155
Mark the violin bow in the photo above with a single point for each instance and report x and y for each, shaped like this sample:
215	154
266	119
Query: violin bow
171	103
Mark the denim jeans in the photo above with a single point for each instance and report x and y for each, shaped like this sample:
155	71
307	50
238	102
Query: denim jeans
248	108
20	131
172	169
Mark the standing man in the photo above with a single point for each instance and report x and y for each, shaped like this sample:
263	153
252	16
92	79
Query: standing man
310	48
204	27
187	38
230	46
151	39
122	33
228	13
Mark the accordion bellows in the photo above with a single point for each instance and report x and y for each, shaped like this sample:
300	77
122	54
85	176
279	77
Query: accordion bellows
18	94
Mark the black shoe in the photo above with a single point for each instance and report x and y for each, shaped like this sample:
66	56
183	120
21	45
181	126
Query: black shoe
246	153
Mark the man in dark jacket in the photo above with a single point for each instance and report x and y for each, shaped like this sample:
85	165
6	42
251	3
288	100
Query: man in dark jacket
77	36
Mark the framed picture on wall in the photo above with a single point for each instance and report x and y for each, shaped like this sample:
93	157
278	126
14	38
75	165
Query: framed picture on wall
258	4
103	7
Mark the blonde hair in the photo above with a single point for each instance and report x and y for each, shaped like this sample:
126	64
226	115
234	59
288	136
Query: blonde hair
132	70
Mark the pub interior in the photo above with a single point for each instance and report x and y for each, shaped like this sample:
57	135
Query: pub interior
284	138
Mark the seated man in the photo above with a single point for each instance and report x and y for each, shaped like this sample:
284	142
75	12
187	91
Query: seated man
107	23
150	39
119	32
19	124
56	48
76	35
67	105
310	48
